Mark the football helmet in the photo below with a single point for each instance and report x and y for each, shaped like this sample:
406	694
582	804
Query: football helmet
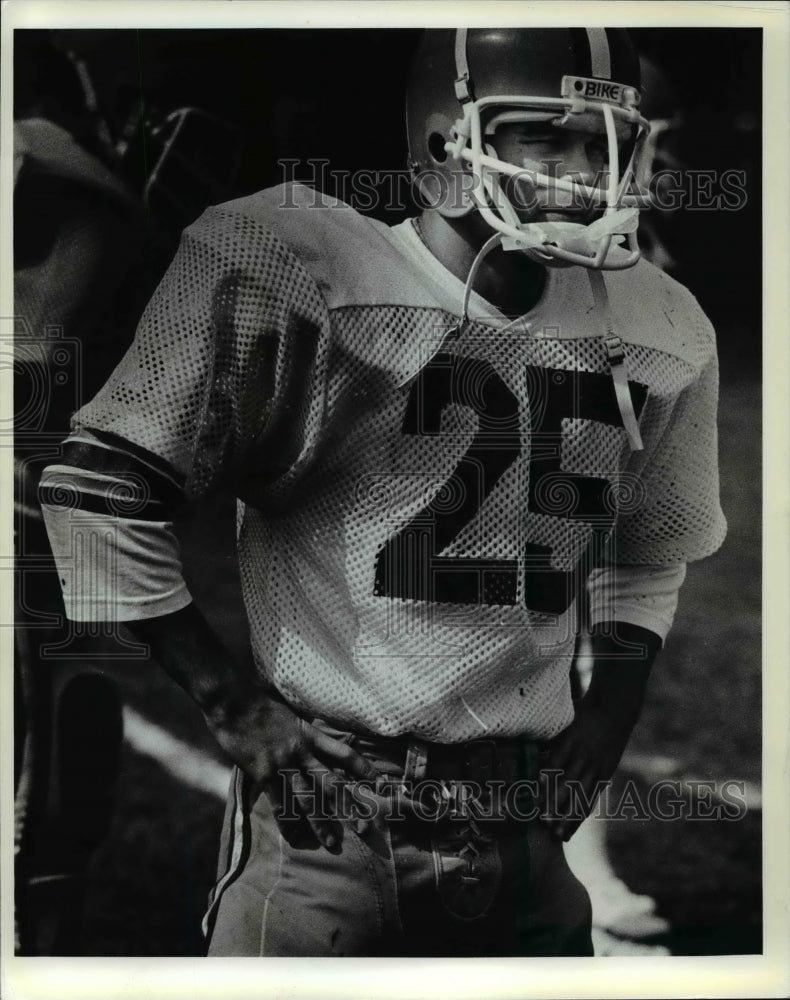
466	83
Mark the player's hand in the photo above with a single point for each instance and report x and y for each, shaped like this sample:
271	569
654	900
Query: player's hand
302	770
577	765
295	764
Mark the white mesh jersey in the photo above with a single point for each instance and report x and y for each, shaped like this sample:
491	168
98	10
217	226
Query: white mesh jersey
416	511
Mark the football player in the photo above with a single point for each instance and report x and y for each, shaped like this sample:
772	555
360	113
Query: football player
439	435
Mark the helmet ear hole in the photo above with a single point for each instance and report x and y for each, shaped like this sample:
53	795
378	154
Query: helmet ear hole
436	143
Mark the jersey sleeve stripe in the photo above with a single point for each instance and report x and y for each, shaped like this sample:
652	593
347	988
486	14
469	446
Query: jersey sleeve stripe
112	506
114	444
84	457
127	496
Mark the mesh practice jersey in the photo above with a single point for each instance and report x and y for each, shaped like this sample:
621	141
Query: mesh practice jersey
417	511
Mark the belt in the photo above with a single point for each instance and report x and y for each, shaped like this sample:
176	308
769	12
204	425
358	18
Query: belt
504	760
488	780
482	774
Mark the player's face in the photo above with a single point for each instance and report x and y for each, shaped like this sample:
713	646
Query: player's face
558	152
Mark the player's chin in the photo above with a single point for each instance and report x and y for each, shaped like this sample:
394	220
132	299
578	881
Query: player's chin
554	214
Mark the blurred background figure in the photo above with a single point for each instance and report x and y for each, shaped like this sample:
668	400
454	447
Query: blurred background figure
87	255
77	238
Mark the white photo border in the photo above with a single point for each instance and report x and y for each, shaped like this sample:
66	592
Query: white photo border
763	975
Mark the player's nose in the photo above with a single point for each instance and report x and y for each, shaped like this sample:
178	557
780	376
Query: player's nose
582	158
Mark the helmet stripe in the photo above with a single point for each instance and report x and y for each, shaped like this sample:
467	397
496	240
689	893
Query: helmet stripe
599	53
463	81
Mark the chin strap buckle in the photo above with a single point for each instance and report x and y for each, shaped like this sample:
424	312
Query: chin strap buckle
615	355
463	89
615	352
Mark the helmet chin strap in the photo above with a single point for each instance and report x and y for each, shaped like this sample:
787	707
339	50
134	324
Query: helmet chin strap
615	354
578	238
491	243
508	214
457	328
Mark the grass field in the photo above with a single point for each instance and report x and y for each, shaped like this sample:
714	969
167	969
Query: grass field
148	881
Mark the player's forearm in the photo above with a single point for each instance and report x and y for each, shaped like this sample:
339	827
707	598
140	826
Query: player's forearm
187	649
586	753
623	655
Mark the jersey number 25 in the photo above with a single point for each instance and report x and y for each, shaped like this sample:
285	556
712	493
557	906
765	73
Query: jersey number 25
410	565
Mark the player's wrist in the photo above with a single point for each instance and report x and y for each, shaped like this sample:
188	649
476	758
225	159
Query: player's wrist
229	697
623	655
614	716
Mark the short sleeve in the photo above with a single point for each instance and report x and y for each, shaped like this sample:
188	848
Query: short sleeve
676	515
228	365
640	595
215	356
